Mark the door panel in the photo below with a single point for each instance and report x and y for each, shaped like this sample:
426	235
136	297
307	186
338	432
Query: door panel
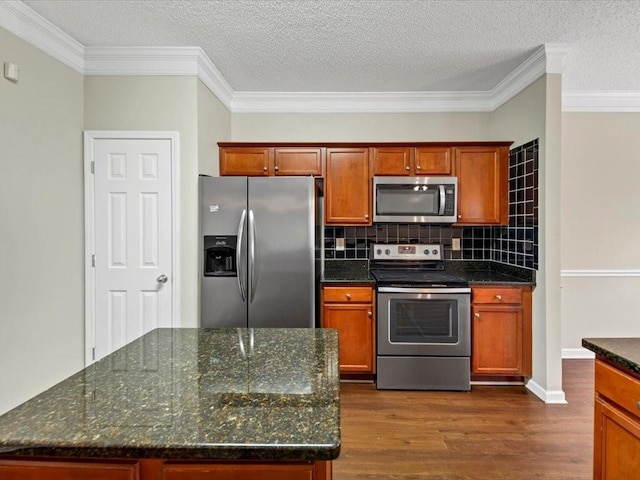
284	257
133	239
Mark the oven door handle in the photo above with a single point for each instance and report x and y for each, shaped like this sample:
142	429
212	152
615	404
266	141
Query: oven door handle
443	291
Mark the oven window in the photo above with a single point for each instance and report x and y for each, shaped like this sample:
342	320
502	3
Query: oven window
423	321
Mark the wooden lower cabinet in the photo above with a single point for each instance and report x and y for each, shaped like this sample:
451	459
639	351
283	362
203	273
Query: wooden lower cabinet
68	470
616	424
350	310
501	331
156	469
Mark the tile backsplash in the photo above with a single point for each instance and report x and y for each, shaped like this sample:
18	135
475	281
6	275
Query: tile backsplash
515	244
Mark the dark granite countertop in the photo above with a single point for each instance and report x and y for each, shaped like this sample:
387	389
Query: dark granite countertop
474	271
347	272
193	394
624	352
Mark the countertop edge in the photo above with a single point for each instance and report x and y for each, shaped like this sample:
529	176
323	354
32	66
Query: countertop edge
609	354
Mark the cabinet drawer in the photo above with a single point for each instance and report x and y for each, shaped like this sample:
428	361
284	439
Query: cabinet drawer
618	387
347	294
497	295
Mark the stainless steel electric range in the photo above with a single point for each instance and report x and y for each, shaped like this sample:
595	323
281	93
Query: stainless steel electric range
423	319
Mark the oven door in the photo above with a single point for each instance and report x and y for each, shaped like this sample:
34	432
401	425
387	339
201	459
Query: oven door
424	321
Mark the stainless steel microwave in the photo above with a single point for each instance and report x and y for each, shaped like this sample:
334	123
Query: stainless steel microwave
415	199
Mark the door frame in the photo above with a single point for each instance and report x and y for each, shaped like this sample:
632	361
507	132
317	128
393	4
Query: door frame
89	224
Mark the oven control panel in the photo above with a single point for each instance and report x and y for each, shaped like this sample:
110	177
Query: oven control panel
405	251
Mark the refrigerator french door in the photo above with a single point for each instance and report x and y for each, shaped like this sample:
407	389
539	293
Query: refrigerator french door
257	252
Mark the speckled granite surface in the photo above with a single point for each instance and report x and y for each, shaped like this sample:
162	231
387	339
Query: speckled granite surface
192	393
621	351
347	271
475	272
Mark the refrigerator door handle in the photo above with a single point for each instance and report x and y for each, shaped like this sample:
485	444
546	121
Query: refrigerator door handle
252	256
241	273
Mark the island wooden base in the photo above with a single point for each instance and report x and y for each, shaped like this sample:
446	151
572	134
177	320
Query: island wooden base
21	468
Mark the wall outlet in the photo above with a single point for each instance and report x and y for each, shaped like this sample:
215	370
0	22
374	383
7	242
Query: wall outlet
455	244
339	244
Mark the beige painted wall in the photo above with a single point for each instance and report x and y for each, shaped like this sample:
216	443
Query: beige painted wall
41	223
359	127
600	226
214	125
535	113
167	103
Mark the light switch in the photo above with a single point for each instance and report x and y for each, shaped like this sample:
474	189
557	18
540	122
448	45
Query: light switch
11	71
455	244
339	244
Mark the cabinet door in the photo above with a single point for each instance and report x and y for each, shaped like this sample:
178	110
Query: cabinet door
482	184
433	161
246	161
65	470
496	340
348	187
616	444
298	161
239	471
395	161
354	323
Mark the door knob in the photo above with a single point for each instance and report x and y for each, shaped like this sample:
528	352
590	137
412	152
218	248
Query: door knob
162	278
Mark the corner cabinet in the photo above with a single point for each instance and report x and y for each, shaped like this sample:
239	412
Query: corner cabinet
271	161
348	187
501	333
350	310
616	424
483	184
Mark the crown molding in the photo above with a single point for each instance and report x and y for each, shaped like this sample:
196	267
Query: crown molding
601	101
25	23
360	102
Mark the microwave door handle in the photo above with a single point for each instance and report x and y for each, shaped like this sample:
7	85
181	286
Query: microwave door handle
442	199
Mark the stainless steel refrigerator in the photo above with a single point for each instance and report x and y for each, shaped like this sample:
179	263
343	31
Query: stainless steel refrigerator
257	252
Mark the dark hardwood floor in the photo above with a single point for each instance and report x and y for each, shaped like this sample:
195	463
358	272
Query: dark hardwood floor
493	432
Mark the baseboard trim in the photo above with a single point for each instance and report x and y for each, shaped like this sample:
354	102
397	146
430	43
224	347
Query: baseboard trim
577	353
550	397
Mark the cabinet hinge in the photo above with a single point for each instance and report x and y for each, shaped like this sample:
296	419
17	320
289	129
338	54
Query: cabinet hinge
93	260
93	353
93	166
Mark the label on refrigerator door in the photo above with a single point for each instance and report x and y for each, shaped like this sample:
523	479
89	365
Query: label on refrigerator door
214	208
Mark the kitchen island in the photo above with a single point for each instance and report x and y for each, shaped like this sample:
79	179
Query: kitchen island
185	404
616	439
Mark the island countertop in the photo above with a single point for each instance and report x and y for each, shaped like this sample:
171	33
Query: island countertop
624	352
222	394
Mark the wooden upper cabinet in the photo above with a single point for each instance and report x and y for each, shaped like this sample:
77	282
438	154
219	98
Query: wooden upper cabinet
298	161
433	161
348	187
400	161
393	160
482	185
246	161
258	161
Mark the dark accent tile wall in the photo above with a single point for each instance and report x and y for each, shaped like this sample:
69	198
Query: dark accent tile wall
515	244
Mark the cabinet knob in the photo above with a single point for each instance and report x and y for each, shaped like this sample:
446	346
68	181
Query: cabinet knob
276	168
366	215
417	167
407	168
459	215
371	314
499	297
264	169
477	315
348	296
638	405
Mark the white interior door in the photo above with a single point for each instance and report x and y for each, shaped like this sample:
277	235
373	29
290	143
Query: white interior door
132	265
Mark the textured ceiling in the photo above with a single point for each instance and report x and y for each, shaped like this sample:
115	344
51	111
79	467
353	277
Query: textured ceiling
368	45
